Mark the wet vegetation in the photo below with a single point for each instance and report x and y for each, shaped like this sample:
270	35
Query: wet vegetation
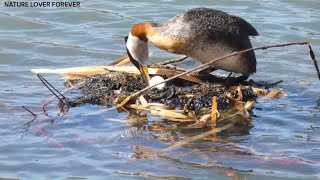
105	89
190	103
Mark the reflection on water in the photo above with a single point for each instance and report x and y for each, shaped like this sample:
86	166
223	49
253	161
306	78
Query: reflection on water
281	140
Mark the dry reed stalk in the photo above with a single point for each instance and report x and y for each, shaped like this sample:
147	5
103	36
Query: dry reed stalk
80	72
249	105
240	95
168	113
120	61
260	92
214	109
275	93
168	118
160	111
203	121
143	102
124	60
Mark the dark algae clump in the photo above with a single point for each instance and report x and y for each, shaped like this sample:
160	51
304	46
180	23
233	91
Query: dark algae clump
104	89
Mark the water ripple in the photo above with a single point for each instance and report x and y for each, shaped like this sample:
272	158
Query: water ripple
281	142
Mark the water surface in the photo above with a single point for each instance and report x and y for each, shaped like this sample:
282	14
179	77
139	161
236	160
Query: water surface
282	141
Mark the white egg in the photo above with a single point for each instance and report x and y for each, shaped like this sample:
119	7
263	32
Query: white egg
155	80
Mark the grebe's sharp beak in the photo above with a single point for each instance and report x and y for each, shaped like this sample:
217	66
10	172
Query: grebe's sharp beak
142	68
144	73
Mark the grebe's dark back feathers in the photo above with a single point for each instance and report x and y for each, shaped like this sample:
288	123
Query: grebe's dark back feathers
245	26
215	23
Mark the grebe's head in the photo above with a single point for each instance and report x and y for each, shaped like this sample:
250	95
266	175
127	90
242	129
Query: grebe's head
137	47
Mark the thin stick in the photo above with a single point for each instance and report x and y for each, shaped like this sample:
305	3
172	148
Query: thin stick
170	61
78	85
313	57
138	93
29	111
47	83
49	86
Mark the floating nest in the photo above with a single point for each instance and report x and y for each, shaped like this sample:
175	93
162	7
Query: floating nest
180	100
196	99
179	94
190	99
199	99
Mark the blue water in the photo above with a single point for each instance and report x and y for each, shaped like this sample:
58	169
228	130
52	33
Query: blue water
89	142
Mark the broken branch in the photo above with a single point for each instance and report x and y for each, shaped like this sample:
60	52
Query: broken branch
29	111
313	57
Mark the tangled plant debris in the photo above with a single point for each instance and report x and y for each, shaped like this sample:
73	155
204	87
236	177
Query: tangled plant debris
194	99
105	89
188	97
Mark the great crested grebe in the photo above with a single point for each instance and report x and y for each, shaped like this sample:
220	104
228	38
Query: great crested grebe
202	34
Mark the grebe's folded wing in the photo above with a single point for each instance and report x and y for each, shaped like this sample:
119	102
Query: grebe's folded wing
215	23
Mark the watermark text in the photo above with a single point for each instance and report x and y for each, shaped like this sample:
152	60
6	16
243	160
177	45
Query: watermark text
42	4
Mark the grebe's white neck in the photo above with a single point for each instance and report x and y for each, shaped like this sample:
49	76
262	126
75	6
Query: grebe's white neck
138	49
